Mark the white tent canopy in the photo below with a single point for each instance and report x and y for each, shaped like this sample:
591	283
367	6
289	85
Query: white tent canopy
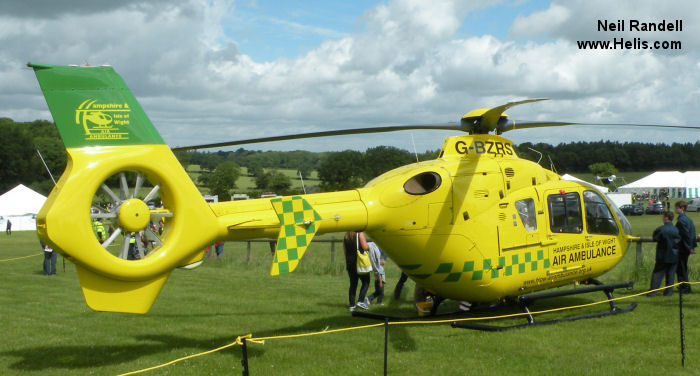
692	184
679	184
20	206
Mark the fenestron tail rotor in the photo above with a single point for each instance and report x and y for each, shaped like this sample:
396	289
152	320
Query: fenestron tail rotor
115	212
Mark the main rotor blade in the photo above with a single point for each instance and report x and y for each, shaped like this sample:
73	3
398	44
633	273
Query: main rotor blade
517	124
491	117
451	126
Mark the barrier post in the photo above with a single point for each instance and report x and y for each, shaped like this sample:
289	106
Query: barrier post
639	254
386	342
332	251
247	256
244	359
680	311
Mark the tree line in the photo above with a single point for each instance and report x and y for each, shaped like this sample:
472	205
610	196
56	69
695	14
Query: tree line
20	162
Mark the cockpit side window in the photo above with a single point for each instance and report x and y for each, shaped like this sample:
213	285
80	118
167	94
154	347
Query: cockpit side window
423	183
565	213
599	219
526	211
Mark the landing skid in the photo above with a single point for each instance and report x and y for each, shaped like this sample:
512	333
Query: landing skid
524	300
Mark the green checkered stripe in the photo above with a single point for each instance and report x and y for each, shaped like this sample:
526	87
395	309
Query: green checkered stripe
298	227
504	266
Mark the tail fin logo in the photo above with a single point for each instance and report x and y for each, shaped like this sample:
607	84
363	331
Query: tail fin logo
103	121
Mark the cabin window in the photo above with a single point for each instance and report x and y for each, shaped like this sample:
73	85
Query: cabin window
599	219
423	183
565	213
526	211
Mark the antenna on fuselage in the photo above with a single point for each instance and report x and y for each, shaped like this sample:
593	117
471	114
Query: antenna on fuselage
414	148
302	181
538	161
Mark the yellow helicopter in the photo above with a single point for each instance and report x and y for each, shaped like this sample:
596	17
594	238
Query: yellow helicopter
477	224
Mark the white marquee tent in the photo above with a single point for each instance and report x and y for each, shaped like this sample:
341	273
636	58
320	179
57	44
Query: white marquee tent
20	205
679	184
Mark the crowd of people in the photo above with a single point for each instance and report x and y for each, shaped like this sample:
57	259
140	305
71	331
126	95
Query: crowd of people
674	245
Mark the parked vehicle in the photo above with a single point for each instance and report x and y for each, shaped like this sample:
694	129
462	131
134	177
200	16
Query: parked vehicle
632	209
693	205
655	208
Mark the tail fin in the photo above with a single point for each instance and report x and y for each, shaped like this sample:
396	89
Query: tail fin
93	106
106	133
299	223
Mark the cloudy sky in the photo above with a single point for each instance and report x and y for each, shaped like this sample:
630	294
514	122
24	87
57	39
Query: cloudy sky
214	70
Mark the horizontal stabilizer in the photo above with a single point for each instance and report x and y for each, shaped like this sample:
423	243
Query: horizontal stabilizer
299	223
109	295
194	261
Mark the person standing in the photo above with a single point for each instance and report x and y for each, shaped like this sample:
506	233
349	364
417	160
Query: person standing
133	253
686	247
399	285
99	229
378	260
49	260
355	242
667	239
8	228
219	249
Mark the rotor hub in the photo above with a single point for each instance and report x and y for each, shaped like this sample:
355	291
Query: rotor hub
134	215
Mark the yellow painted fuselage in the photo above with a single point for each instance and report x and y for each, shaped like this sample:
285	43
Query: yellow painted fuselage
455	225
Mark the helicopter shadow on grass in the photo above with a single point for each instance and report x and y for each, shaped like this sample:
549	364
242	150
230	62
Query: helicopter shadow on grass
399	337
93	356
48	357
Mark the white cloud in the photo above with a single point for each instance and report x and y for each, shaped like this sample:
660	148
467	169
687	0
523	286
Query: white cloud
541	22
403	65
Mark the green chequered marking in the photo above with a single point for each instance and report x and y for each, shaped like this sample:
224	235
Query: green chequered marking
506	266
444	268
468	266
289	230
298	226
284	267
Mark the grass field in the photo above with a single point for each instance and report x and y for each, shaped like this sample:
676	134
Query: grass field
48	329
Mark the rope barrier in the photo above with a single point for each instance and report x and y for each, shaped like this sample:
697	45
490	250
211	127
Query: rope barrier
261	340
238	341
23	257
